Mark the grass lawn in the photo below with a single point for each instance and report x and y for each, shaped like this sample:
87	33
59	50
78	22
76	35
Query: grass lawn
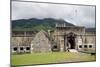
51	57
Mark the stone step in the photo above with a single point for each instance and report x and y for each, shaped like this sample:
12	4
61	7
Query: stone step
73	50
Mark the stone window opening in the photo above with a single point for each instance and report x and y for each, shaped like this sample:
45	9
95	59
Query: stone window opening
80	46
15	48
90	46
85	46
27	48
21	48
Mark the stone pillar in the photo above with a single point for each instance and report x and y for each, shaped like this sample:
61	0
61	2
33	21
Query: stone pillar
76	42
61	45
31	48
79	41
18	51
65	43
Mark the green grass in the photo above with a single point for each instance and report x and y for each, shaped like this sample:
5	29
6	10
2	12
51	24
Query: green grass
51	57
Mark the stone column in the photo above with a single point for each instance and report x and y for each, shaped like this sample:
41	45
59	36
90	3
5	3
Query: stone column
61	46
65	43
79	40
76	42
31	48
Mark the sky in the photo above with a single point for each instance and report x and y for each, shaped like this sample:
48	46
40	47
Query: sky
76	14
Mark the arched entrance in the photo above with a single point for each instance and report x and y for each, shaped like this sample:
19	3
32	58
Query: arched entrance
69	41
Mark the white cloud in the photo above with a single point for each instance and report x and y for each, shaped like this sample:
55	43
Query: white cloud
78	15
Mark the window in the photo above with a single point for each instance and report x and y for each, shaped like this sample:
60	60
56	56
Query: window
90	46
85	46
21	48
27	48
80	46
15	48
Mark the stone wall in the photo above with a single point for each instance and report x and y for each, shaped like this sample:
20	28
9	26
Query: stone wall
44	42
82	37
41	42
21	44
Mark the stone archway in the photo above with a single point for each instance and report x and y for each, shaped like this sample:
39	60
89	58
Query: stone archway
69	41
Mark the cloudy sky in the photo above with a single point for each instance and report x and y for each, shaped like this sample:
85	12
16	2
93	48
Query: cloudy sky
75	14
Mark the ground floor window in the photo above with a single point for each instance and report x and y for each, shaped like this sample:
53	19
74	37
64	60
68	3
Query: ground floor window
27	48
21	48
15	48
80	46
90	46
85	46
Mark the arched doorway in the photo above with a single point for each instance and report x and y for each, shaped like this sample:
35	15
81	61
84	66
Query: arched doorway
69	41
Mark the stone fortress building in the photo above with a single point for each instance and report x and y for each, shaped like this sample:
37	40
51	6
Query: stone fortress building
63	38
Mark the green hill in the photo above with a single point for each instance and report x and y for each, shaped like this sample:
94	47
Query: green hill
36	24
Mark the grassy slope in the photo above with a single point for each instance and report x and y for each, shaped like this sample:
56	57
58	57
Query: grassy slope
52	57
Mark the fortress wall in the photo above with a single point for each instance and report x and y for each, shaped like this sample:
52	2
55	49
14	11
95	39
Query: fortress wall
21	41
66	30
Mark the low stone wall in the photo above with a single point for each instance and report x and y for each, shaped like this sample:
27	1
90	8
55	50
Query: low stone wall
90	48
21	49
